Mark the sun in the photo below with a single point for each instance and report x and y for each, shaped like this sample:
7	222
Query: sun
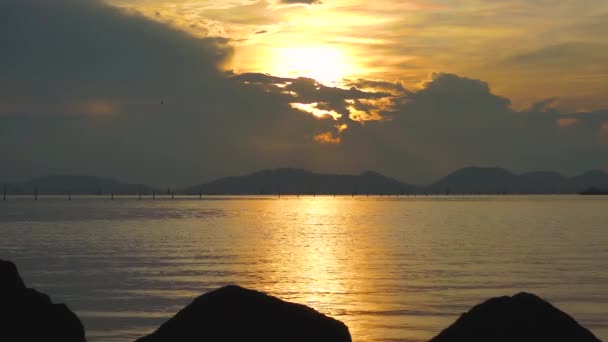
325	64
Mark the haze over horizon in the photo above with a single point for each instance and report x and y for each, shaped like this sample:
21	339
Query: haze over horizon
159	91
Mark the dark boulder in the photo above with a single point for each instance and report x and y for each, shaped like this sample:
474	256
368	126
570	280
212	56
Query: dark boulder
233	313
521	318
29	315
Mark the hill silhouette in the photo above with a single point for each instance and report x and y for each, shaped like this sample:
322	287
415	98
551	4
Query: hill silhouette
469	180
473	180
480	180
590	179
297	181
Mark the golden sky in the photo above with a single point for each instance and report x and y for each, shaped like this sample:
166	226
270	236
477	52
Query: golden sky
527	50
411	89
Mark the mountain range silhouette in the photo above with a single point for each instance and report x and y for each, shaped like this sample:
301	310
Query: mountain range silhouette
469	180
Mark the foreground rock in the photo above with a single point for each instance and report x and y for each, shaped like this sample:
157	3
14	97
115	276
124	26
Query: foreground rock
521	318
233	313
29	315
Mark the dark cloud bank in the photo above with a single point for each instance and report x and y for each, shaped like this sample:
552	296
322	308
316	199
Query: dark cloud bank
86	88
307	2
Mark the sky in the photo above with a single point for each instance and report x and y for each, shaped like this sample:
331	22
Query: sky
184	91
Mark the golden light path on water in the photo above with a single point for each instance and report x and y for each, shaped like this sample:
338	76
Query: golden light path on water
326	259
390	268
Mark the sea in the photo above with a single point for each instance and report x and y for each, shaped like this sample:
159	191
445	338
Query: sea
391	268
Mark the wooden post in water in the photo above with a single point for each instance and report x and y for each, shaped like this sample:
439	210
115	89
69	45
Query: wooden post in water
35	193
172	195
4	192
112	195
200	195
69	195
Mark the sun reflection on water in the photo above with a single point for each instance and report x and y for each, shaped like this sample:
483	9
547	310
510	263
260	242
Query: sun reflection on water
320	257
391	268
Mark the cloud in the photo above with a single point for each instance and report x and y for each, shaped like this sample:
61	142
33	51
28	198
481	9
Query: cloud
262	78
566	122
564	55
361	83
456	121
305	2
327	138
72	57
94	108
331	98
406	40
448	97
544	105
68	50
604	133
341	128
87	88
316	110
310	96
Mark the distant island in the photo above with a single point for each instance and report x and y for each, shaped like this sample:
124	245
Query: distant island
291	181
297	181
594	191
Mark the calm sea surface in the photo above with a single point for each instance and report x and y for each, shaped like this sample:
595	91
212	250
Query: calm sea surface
393	269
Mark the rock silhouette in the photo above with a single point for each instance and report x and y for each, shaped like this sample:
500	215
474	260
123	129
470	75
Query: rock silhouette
523	317
233	313
29	315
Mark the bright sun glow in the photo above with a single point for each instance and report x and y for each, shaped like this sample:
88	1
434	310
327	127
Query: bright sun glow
327	65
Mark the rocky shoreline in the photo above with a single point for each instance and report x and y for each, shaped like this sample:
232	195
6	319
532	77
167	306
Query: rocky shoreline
233	313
